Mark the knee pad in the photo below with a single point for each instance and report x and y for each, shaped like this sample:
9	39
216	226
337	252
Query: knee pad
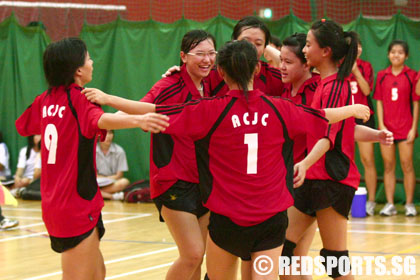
334	272
288	248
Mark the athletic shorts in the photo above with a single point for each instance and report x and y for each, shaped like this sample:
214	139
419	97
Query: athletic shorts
242	241
315	195
370	123
60	245
181	196
396	141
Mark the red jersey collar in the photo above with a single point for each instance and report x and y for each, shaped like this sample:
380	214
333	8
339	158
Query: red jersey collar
239	93
329	79
389	70
190	84
315	77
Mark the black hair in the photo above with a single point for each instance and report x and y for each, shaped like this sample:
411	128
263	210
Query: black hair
192	38
1	137
342	44
402	43
276	41
31	144
62	59
238	60
296	43
251	22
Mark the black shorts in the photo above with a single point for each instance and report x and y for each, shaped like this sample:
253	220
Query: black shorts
182	196
242	241
60	245
370	123
315	195
396	141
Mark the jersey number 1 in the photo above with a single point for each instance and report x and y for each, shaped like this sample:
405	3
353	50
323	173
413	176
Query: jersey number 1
51	139
251	139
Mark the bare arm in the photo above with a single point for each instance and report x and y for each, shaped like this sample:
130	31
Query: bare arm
19	173
361	81
320	148
418	87
273	55
363	133
37	173
380	109
128	106
149	122
116	176
358	111
413	131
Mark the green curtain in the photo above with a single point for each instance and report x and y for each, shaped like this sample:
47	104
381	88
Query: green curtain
129	57
21	77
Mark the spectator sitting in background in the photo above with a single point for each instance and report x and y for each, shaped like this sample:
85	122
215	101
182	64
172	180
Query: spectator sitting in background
111	163
26	164
5	174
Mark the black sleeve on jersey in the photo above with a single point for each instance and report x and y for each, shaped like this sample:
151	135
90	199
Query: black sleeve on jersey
202	155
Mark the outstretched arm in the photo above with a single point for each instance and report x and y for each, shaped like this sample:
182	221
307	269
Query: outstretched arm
149	122
320	148
363	133
358	111
128	106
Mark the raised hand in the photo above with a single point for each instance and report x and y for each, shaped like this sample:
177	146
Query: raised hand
95	95
171	70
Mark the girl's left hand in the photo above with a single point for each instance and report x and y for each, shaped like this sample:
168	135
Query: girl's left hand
411	135
299	174
95	95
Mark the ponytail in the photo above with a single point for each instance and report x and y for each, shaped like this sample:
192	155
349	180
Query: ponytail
351	39
238	60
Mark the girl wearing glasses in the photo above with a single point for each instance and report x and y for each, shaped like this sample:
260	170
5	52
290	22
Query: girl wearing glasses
268	79
173	168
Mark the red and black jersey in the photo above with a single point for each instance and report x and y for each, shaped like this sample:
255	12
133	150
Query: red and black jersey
68	123
397	94
268	80
244	150
172	157
338	163
367	72
304	96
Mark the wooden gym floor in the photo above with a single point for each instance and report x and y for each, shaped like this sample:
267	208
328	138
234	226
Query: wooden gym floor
137	246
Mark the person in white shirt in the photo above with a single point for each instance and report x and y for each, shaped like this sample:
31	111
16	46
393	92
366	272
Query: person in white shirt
111	163
26	163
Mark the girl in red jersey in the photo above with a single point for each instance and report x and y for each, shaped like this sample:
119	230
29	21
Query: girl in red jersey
173	169
299	86
268	79
69	124
331	182
236	180
361	82
398	111
236	136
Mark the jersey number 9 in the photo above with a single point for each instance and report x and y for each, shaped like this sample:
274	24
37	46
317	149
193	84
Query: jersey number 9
51	139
